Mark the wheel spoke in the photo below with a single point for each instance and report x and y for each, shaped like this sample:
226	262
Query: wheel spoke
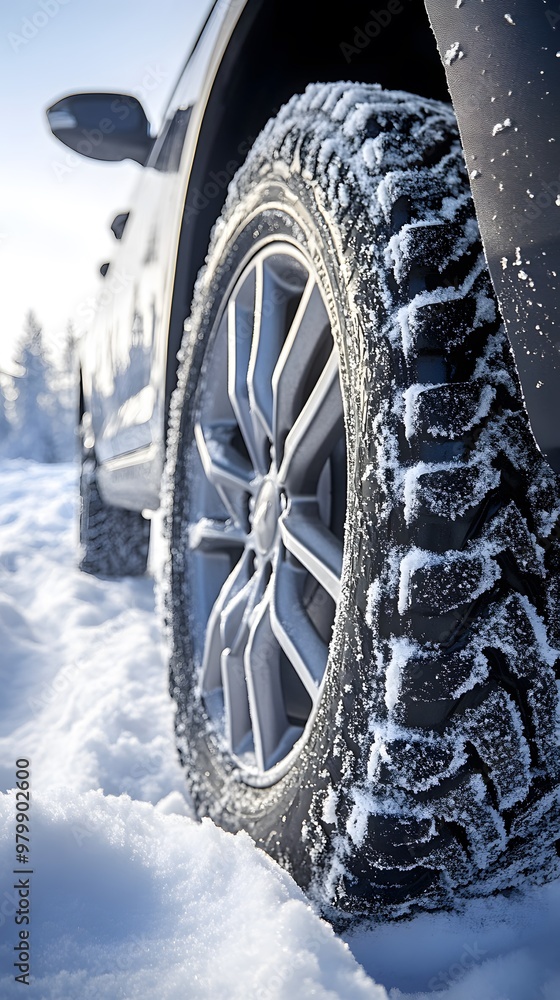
209	535
227	470
268	336
314	434
296	635
236	700
301	346
311	542
239	333
235	624
266	702
211	661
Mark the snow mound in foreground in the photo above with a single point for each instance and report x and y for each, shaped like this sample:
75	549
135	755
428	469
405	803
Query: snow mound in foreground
130	902
132	899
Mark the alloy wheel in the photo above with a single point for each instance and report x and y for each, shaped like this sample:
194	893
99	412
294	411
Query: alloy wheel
268	468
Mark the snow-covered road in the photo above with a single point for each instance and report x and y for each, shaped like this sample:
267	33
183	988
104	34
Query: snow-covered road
129	897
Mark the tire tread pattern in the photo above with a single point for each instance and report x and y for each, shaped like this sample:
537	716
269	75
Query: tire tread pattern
114	542
441	778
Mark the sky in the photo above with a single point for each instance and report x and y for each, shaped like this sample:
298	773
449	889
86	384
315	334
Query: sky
56	207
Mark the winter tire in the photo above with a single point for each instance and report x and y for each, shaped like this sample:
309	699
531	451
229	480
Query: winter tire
114	541
362	530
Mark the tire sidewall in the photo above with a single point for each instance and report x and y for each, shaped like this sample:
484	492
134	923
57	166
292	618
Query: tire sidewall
274	815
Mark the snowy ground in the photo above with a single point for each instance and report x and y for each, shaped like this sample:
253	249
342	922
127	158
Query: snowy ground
130	897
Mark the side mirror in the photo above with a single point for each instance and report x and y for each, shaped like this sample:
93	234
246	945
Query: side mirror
102	126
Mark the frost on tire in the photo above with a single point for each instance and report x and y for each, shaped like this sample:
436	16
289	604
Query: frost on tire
427	766
113	541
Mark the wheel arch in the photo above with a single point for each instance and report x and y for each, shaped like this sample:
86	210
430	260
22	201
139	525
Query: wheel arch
385	45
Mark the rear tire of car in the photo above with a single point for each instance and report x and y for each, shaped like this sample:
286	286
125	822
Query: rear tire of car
427	766
113	541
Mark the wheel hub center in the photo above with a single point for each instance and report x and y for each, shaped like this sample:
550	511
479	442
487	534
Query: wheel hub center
265	516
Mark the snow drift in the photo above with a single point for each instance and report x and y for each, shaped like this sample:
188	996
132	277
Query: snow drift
131	897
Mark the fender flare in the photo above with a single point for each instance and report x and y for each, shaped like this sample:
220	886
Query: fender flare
503	75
